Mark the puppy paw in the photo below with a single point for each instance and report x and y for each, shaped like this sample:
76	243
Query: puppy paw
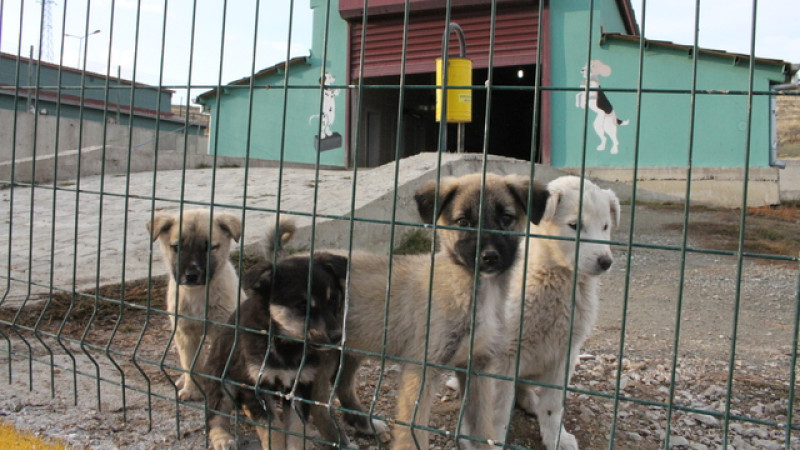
228	443
453	384
527	399
190	395
221	439
375	427
382	431
566	442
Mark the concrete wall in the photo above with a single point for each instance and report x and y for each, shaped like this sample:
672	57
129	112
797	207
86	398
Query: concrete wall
38	134
790	181
719	187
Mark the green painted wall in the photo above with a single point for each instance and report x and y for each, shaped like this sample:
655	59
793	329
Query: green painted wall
270	135
720	123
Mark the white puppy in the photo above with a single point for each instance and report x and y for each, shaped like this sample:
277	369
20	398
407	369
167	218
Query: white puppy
548	304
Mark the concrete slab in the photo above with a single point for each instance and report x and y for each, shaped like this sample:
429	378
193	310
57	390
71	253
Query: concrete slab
91	232
718	187
790	181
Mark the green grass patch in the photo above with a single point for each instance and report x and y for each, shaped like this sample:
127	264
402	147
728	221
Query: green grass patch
414	242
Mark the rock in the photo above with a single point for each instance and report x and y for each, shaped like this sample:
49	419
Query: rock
678	441
707	420
714	392
740	444
634	436
767	445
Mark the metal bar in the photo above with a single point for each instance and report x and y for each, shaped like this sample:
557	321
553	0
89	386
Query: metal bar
168	343
537	102
481	202
52	235
742	225
631	227
146	323
685	232
352	216
237	315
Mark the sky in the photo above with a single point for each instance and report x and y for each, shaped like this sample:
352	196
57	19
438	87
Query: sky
724	25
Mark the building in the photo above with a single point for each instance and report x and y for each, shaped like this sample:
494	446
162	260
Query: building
352	98
28	85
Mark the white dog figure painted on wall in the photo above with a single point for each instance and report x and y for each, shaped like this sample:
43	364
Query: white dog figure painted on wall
606	121
328	107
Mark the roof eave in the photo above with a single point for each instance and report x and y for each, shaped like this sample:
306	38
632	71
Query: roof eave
628	17
200	99
721	53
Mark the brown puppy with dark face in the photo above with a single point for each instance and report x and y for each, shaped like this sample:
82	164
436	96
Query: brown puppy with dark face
276	358
442	320
195	252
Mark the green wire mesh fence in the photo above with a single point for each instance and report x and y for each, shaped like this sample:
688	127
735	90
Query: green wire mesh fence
695	342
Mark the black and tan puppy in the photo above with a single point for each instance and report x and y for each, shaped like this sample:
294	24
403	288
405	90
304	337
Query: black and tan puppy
196	252
434	308
279	361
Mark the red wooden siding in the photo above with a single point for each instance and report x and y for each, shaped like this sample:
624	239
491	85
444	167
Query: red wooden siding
516	39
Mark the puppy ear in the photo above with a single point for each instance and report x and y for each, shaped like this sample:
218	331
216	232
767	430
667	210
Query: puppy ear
520	188
426	198
230	224
553	200
614	203
161	224
259	278
336	264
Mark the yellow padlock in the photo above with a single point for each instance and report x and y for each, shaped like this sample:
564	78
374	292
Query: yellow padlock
459	101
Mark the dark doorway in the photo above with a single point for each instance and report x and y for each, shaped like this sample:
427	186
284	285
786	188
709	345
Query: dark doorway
510	125
511	121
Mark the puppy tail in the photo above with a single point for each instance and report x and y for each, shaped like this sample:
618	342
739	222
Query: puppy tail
278	237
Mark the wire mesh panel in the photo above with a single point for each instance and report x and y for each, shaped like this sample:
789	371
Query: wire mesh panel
233	222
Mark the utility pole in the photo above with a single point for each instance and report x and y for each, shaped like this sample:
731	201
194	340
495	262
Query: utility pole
47	29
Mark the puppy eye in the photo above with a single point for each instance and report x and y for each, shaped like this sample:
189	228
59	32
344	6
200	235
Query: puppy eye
573	225
174	248
214	247
507	220
605	227
462	222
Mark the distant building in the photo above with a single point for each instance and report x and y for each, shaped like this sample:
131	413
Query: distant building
48	110
624	121
50	89
195	114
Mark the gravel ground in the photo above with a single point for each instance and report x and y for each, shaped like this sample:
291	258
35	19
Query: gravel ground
689	364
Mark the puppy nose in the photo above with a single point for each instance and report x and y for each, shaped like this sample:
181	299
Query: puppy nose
335	336
604	262
192	278
317	336
490	258
193	275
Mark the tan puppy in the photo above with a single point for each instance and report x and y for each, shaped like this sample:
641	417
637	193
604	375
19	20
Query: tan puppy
196	252
442	321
